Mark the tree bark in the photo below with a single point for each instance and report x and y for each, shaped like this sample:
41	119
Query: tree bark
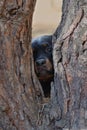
70	63
22	104
18	106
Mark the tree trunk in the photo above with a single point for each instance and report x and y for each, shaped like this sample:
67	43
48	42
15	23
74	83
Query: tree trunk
22	105
18	106
70	63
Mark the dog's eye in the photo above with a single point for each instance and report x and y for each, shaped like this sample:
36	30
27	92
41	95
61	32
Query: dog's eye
48	49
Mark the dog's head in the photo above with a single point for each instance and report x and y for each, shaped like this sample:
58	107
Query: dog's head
42	53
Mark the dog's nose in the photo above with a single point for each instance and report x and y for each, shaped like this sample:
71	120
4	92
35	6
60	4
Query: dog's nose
40	61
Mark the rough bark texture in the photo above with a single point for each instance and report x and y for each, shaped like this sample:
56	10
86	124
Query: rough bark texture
22	106
70	63
18	106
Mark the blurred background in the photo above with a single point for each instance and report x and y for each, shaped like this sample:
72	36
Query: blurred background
47	16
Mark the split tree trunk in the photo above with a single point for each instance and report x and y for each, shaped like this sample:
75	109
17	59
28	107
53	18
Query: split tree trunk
21	96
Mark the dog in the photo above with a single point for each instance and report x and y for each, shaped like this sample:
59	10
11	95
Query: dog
43	61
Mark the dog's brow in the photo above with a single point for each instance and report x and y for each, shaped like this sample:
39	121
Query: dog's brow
45	44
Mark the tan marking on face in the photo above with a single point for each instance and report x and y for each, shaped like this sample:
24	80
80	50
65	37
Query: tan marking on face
48	65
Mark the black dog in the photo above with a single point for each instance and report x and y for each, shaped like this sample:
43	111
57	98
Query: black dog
43	62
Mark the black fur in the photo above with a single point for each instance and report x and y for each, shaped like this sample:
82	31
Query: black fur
43	62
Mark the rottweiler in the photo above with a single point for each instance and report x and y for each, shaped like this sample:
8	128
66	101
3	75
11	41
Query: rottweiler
43	61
